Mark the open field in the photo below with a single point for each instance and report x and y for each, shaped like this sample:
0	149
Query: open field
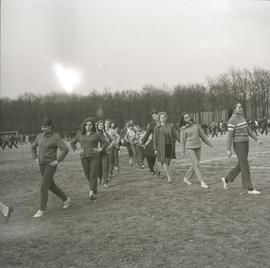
140	221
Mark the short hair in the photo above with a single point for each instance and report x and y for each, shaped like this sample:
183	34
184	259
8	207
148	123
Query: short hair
162	113
47	122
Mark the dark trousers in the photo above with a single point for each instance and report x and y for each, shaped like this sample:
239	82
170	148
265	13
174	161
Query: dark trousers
103	169
111	160
140	154
241	149
151	160
47	184
130	154
90	168
264	129
116	156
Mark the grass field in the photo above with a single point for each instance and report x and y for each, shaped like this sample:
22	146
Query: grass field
140	221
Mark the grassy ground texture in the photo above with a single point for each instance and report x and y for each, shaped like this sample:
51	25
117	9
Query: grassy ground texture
140	220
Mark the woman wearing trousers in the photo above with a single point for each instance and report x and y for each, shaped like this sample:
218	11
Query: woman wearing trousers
89	140
238	136
164	139
48	142
115	137
103	170
191	136
147	141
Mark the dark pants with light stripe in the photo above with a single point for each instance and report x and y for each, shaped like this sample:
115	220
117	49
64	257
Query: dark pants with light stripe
47	184
90	168
241	149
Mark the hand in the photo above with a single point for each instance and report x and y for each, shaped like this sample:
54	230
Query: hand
259	141
156	152
229	153
97	149
36	160
53	163
80	151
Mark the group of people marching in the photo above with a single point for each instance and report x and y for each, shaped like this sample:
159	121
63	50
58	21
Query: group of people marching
97	145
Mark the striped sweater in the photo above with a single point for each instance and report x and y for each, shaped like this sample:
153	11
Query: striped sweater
238	130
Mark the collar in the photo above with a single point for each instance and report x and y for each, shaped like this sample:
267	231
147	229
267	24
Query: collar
48	134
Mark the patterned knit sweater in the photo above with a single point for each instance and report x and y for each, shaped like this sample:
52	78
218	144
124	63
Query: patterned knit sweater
238	130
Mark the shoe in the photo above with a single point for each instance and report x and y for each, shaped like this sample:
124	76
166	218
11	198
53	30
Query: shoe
254	191
225	184
142	166
117	169
67	203
92	196
186	181
152	172
169	180
204	185
39	214
10	210
105	185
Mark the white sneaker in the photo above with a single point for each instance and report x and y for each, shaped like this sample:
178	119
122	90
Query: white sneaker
225	184
254	191
204	185
91	193
186	181
38	214
67	203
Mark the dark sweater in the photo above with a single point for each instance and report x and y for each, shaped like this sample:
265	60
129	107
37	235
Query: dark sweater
88	144
47	144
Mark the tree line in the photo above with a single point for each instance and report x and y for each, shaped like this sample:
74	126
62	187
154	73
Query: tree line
205	101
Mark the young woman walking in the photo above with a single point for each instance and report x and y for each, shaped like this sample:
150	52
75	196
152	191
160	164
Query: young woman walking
115	137
116	146
89	141
46	157
103	170
191	136
238	136
131	138
164	139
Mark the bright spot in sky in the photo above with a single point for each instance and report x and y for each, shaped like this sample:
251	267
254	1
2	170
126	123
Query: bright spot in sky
67	77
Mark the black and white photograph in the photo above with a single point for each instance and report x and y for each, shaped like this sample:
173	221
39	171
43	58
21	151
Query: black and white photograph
134	134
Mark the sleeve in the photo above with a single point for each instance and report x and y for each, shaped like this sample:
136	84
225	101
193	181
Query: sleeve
74	141
63	148
34	148
103	142
183	140
231	129
251	134
175	134
147	134
203	137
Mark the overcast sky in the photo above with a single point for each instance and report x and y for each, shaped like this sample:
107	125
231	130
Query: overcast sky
125	44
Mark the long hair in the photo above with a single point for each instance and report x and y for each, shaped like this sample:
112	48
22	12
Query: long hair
182	120
97	123
115	123
231	109
89	119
